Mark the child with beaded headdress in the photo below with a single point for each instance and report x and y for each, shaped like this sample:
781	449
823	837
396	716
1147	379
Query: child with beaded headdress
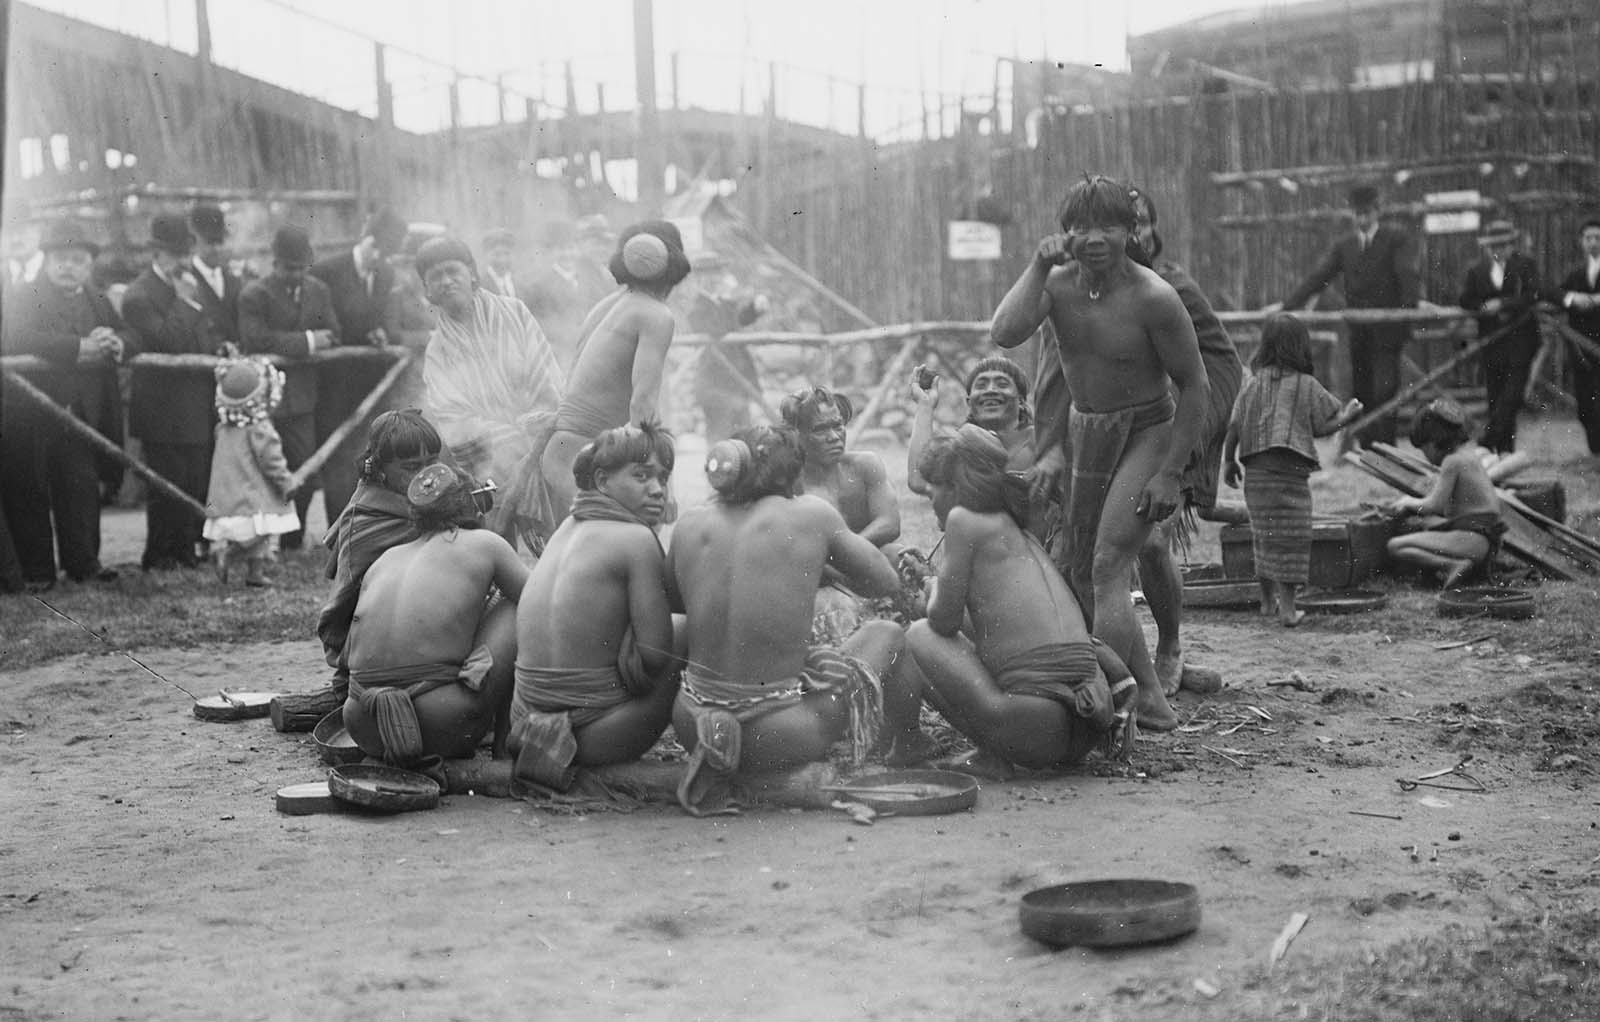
247	503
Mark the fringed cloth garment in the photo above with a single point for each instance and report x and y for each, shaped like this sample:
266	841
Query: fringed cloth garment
1277	491
1069	673
386	693
1096	443
493	387
721	709
552	704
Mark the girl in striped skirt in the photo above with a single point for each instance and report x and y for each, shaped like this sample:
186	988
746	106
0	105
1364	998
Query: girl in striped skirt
1279	413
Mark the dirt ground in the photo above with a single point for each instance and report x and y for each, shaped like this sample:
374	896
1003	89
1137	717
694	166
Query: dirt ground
147	874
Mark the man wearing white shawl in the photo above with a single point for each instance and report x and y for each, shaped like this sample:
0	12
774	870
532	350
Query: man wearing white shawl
492	386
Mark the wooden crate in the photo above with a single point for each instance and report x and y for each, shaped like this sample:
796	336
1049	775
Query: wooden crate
1345	551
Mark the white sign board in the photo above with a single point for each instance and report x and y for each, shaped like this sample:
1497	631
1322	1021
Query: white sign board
974	239
694	234
1458	222
1466	197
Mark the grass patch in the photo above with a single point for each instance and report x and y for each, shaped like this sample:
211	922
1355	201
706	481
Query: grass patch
161	609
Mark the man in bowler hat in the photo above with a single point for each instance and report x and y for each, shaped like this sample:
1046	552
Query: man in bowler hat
50	478
219	286
290	313
171	409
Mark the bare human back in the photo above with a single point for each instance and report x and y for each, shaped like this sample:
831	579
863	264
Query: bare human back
421	602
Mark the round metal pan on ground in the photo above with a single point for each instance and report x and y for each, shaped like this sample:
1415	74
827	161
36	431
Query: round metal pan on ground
1490	601
912	792
1110	913
225	707
1343	601
1222	593
334	743
385	788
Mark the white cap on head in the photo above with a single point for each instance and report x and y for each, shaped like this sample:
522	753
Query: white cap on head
645	256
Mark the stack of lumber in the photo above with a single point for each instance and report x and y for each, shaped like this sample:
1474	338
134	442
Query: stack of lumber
1554	549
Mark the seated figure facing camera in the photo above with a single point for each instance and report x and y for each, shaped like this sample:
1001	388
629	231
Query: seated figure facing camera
431	666
594	628
756	694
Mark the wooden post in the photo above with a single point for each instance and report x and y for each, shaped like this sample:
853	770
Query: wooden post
500	95
202	21
649	162
379	186
330	446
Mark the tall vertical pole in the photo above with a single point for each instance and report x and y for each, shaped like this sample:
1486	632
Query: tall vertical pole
377	185
648	153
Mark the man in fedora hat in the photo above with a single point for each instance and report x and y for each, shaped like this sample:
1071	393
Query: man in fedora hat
1377	263
49	479
290	313
219	287
1502	287
499	265
359	281
171	409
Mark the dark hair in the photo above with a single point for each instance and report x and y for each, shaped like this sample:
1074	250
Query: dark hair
1098	200
768	459
387	228
395	435
444	249
1442	424
677	262
972	461
1285	344
800	408
1000	364
1591	222
623	445
454	508
1142	200
1363	197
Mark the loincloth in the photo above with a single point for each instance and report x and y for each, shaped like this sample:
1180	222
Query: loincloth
587	419
1482	523
721	708
387	694
551	704
1096	443
1067	673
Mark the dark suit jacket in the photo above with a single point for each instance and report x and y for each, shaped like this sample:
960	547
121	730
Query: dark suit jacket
224	308
274	322
358	312
43	320
1518	291
1585	321
169	406
1383	276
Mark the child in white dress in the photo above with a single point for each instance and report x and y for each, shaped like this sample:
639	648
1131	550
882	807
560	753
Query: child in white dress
247	503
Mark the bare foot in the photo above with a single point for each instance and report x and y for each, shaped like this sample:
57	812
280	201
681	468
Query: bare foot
1458	571
1169	670
1155	713
911	750
979	764
1293	618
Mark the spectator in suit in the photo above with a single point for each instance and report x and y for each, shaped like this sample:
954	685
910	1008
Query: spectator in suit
1377	263
219	286
49	478
290	313
1502	287
1580	296
499	265
359	281
171	409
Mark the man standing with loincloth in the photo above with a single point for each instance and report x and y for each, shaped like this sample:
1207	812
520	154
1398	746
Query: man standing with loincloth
1030	687
594	629
1126	345
430	669
622	350
757	696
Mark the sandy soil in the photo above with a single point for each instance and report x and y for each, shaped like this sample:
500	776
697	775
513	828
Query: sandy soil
148	876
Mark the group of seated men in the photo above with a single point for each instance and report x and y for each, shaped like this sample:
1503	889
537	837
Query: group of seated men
584	660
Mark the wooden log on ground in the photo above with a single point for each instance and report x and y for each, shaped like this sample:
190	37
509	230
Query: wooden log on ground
83	431
301	711
656	782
